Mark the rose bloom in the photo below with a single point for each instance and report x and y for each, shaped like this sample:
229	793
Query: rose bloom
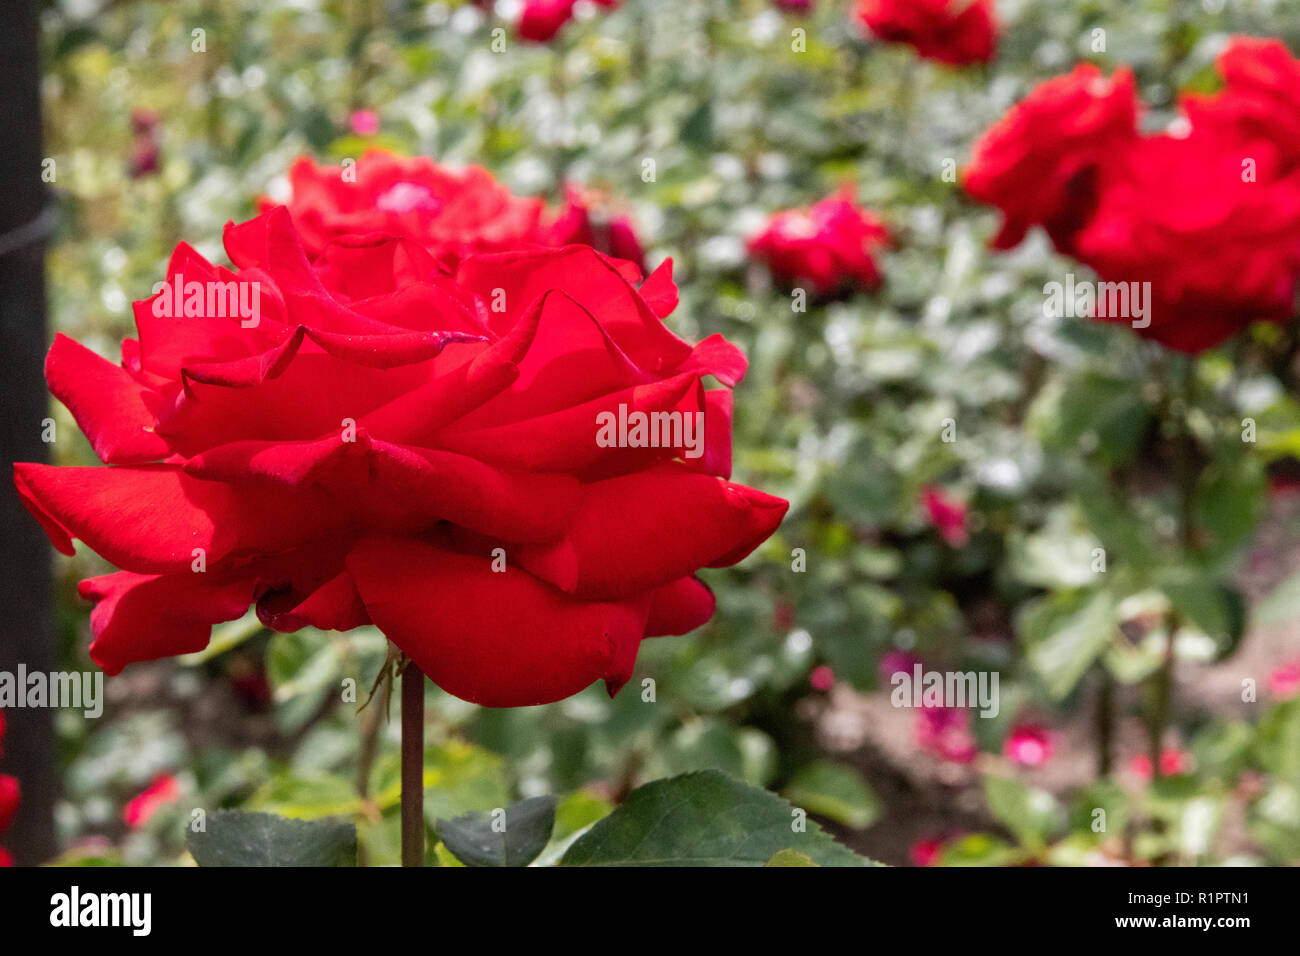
1055	139
829	245
164	790
452	213
1219	251
1207	213
947	514
1028	744
540	20
955	32
392	445
613	235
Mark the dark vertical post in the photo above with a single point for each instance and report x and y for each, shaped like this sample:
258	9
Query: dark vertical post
25	619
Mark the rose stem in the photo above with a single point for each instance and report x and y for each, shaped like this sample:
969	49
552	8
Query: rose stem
412	765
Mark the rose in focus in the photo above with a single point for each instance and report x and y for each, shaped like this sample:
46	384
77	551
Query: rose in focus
391	443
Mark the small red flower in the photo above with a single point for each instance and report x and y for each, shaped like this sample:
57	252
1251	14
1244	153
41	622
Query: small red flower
822	678
945	733
947	514
955	32
830	245
1172	761
1029	744
541	20
163	791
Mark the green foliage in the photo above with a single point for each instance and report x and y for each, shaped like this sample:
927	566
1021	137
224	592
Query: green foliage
235	838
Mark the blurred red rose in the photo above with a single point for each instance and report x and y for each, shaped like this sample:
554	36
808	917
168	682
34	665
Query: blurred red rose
1028	744
955	32
394	446
164	790
452	213
829	245
613	235
1207	213
1055	139
947	514
1220	251
540	20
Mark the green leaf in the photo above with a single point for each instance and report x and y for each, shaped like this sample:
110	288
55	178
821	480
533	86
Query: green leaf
1033	815
1064	635
834	791
512	837
704	819
790	858
237	838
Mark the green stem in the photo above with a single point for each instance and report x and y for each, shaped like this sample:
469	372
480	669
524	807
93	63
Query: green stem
1162	688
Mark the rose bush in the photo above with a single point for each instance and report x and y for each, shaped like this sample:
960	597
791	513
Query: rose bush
391	444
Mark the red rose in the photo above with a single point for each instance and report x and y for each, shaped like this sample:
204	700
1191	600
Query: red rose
392	445
540	20
1054	139
829	245
1258	100
452	213
613	235
955	32
1219	252
1202	222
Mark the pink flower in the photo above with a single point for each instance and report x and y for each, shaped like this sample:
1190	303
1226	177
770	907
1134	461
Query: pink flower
165	789
945	733
1028	744
822	678
1284	682
1172	761
364	122
926	852
895	662
947	514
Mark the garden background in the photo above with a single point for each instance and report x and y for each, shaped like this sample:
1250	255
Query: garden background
1058	447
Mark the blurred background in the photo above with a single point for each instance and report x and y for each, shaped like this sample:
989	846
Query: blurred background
153	142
